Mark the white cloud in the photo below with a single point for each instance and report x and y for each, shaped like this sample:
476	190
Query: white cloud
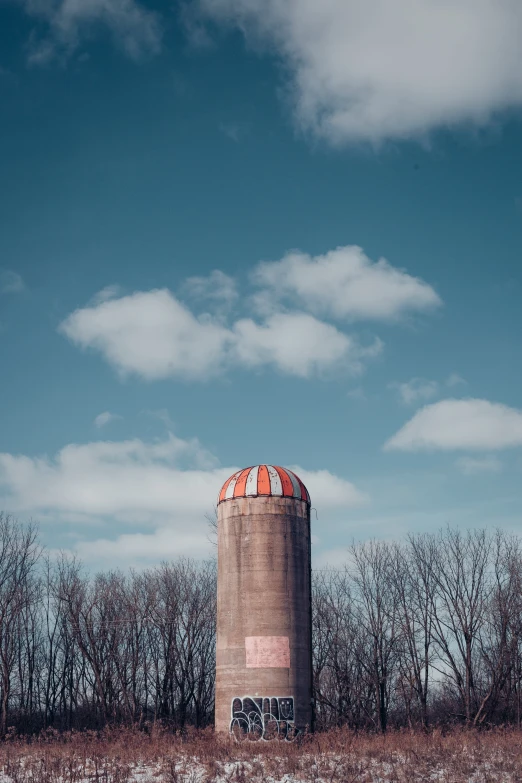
415	389
421	389
154	335
10	282
343	283
164	488
455	380
135	28
298	344
109	292
469	424
373	69
470	466
217	286
328	491
104	418
162	544
151	334
167	486
131	479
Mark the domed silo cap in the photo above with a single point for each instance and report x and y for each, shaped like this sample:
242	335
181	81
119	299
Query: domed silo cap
264	480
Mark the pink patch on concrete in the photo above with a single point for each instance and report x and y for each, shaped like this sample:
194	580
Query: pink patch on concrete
267	652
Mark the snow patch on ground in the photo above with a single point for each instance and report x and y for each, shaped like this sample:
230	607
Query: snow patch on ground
317	769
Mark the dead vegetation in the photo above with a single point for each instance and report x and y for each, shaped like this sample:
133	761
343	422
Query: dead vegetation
416	634
338	756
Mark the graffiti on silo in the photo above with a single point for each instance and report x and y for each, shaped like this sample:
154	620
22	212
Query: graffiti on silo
264	717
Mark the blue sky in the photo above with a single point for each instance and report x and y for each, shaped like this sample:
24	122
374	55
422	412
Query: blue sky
235	232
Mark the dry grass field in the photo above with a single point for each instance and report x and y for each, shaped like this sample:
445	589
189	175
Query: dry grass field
126	756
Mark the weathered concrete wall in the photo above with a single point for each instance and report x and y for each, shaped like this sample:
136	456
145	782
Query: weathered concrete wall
263	600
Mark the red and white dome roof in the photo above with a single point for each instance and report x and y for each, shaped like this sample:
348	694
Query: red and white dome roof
269	480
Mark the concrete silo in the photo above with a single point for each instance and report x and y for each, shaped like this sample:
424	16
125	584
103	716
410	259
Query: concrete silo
264	650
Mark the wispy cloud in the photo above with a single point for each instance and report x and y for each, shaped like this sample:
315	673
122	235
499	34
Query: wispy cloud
102	419
367	70
217	287
471	466
234	131
415	389
455	380
162	415
142	548
357	393
69	23
10	282
421	389
109	292
196	31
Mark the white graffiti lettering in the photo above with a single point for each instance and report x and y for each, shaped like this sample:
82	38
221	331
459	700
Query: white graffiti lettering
263	718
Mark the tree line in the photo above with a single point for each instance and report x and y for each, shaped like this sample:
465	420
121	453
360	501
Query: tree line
426	631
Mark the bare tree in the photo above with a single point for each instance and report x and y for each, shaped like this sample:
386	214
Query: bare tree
415	585
376	597
460	603
343	693
423	631
19	553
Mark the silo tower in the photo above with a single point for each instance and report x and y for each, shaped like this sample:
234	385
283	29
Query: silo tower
264	646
